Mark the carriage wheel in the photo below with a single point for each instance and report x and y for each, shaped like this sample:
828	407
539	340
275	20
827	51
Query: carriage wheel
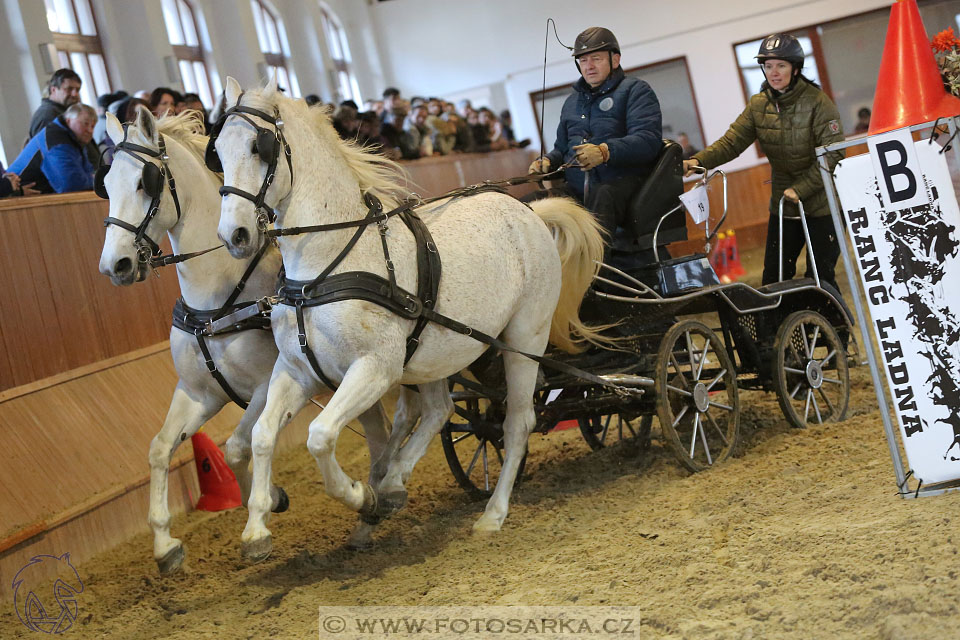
812	379
605	431
697	402
473	445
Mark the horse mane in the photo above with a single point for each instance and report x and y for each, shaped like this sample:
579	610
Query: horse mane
187	129
375	173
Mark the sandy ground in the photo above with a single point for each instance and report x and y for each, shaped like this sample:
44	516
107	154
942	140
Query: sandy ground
800	535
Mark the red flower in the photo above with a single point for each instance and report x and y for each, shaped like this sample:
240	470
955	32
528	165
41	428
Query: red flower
945	41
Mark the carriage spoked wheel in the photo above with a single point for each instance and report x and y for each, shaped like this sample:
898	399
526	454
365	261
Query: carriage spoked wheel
812	379
633	436
697	402
473	444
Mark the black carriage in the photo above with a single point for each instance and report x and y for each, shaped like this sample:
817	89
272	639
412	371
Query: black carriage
690	341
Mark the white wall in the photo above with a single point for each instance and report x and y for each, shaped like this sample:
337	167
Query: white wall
430	48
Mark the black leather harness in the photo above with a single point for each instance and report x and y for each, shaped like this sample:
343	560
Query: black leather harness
198	322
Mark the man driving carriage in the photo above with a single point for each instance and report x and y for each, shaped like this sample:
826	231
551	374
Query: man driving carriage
609	133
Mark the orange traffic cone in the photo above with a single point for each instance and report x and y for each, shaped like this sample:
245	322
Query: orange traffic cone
734	268
909	87
718	257
218	486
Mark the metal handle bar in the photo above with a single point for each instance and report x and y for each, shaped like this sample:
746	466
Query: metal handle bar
708	234
806	237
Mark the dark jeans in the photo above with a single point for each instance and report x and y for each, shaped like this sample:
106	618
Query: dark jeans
823	238
606	201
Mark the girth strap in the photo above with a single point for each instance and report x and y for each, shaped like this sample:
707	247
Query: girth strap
307	351
212	368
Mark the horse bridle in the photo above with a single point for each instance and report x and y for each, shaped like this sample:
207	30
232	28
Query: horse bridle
268	147
152	179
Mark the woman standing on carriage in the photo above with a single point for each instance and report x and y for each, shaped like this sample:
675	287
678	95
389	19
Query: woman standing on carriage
790	118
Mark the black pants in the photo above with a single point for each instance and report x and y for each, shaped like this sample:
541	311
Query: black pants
823	238
606	201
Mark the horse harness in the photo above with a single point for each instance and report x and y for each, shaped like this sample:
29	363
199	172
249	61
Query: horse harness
201	323
152	180
362	285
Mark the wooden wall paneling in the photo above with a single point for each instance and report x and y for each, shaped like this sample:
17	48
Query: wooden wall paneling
28	306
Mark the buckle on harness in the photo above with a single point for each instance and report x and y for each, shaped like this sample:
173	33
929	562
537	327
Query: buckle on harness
302	338
413	306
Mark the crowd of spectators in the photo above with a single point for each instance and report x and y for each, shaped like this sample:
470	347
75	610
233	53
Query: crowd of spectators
67	140
422	127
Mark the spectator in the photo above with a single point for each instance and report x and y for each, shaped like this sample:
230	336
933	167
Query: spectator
494	129
192	102
418	132
464	136
164	100
311	99
368	134
863	121
345	121
506	121
688	149
443	133
103	103
54	159
393	136
390	96
10	185
63	90
126	111
351	104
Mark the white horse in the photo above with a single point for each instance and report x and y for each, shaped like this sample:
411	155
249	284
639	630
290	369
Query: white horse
508	271
244	358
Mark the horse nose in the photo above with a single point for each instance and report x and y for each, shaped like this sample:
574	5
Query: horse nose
240	237
123	267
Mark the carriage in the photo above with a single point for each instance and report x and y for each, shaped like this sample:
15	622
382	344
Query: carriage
690	340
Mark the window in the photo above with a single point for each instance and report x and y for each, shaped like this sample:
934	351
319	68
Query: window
345	81
78	46
844	55
273	43
669	80
184	31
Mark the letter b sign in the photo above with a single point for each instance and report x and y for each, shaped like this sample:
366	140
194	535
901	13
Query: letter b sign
898	170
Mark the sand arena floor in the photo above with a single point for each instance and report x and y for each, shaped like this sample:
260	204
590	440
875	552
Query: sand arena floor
800	535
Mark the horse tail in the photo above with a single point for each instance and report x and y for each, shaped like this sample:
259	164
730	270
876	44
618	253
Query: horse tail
580	245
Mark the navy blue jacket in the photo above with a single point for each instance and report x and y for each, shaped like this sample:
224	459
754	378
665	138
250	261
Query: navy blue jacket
623	112
55	160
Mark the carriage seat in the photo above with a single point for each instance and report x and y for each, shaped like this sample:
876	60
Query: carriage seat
658	192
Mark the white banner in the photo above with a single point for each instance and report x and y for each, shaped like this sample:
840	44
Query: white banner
905	256
697	203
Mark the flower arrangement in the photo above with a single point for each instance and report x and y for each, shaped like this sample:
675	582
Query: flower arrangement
946	51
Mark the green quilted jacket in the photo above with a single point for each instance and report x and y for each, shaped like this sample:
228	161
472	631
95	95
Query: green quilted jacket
789	128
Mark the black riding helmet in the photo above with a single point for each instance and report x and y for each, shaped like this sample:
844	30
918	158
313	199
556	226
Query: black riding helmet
595	39
781	46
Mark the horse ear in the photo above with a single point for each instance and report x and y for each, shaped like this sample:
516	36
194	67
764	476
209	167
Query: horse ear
114	128
233	91
272	82
147	125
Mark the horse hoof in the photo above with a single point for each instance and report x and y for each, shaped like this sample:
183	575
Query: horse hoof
283	502
258	550
171	561
487	524
390	503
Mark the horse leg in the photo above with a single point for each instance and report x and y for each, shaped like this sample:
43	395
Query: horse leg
238	452
437	408
405	417
363	384
184	417
519	421
285	397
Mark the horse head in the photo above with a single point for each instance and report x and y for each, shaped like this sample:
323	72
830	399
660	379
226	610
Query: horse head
249	146
142	206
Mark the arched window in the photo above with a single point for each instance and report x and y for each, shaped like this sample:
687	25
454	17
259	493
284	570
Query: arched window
74	31
273	43
184	31
345	81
